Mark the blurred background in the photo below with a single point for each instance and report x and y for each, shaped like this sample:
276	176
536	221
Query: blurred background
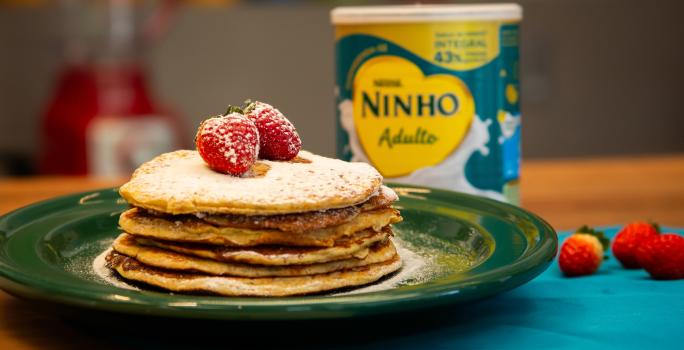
598	77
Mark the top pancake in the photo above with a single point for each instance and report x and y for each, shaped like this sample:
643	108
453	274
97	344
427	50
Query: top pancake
180	183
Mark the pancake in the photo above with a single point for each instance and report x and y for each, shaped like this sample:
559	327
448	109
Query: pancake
188	228
180	183
162	258
132	269
302	222
353	246
385	197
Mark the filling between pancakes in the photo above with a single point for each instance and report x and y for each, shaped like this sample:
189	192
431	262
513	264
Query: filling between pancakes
173	250
317	229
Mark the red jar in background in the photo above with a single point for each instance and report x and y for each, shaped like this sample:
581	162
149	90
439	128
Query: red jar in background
102	119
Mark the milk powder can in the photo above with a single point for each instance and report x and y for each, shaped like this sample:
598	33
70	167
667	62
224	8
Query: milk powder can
429	94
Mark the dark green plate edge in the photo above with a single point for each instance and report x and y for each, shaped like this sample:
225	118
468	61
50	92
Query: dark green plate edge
532	263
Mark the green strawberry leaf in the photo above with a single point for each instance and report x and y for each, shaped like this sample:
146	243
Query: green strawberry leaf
249	105
234	109
600	235
656	226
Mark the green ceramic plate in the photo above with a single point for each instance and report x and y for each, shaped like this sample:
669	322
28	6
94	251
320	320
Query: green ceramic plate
456	248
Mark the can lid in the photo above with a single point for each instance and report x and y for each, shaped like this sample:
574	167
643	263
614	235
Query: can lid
424	13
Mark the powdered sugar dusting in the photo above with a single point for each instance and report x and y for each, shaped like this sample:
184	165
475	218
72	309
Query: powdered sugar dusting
231	139
388	193
415	269
418	266
180	182
278	137
108	275
95	269
421	263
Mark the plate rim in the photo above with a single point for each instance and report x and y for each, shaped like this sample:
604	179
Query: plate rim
17	283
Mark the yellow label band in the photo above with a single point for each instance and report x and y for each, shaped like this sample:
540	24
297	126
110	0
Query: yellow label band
399	112
452	45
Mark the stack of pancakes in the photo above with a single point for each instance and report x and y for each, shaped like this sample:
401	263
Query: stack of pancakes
302	226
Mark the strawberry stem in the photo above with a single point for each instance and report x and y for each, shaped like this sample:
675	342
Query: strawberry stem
249	105
234	109
656	226
600	235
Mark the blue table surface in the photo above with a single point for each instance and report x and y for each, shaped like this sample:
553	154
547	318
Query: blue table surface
613	309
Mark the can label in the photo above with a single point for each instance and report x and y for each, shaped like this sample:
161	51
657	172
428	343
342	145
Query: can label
435	104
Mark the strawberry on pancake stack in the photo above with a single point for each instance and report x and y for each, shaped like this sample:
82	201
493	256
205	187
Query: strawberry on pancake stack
250	214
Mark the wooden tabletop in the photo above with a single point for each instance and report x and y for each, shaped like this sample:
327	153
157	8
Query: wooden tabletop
567	193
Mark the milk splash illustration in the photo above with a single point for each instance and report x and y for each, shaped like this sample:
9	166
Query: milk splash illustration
510	143
449	174
509	125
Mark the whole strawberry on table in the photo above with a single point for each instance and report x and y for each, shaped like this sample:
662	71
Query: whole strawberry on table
583	252
638	245
663	256
627	241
